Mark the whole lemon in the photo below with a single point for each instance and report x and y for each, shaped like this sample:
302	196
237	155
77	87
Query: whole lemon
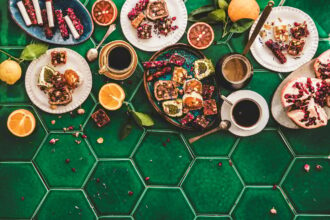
10	71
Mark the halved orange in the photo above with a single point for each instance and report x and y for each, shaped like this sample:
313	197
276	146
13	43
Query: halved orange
21	123
111	96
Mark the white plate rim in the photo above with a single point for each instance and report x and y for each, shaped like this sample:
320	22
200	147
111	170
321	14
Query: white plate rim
75	103
304	59
125	24
225	115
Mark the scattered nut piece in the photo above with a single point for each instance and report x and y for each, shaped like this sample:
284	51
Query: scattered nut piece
267	26
53	140
273	211
100	140
77	141
81	111
76	134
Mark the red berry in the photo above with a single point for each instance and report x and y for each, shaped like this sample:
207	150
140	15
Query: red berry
219	164
84	136
147	178
73	169
174	18
130	193
22	198
274	186
67	161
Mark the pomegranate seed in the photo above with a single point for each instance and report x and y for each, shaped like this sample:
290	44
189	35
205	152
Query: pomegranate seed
130	193
318	167
147	178
273	211
230	163
168	140
53	122
67	161
22	198
174	18
70	128
274	186
73	169
164	144
98	180
307	167
219	164
84	136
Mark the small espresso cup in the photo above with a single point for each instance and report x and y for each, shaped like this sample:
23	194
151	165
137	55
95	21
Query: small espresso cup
234	71
106	68
235	120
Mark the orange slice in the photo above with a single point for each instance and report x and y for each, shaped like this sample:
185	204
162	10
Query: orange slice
104	12
21	123
111	96
200	35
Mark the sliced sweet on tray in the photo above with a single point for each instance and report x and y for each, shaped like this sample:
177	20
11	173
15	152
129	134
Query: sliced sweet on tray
57	22
184	94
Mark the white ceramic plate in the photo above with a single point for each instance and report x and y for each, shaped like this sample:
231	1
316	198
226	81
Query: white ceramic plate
225	112
278	112
176	9
288	15
74	61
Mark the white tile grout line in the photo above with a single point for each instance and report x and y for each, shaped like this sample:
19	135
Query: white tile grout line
40	204
188	202
237	201
287	200
90	204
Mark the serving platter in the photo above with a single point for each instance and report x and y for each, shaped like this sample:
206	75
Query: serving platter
279	16
74	61
278	112
176	8
190	54
37	32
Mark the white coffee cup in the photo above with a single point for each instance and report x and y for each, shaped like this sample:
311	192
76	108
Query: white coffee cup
244	127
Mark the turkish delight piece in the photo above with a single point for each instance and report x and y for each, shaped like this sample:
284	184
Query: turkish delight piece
165	90
187	119
177	59
30	11
144	31
138	20
173	108
62	24
180	74
58	57
48	31
193	85
210	107
208	91
202	121
50	13
38	11
24	13
100	117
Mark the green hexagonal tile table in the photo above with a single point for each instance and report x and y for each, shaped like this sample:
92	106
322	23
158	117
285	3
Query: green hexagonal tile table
155	173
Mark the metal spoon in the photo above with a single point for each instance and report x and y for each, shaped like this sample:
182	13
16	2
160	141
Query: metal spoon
93	53
224	125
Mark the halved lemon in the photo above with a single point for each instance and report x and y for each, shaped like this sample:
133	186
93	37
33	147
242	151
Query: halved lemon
21	123
111	96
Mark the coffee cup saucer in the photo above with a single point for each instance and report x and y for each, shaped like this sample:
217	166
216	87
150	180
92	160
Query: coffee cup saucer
241	94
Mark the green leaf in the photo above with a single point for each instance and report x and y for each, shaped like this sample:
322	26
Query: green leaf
125	130
218	15
223	4
33	51
201	14
241	26
142	119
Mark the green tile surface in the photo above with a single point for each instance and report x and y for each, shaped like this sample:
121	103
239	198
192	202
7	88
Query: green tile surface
219	177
